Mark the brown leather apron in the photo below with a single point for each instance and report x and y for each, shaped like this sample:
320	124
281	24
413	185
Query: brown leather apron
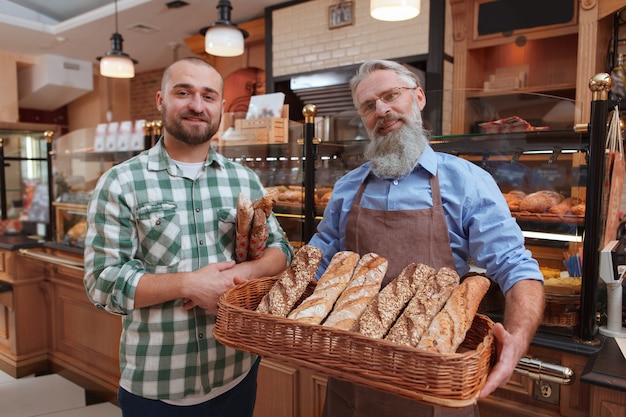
402	236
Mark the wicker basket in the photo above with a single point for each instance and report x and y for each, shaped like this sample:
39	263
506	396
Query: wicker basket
451	380
561	310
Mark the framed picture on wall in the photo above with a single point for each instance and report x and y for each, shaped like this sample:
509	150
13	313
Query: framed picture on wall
341	14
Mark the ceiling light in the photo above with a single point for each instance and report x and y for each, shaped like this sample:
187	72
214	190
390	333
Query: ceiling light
394	10
115	63
222	37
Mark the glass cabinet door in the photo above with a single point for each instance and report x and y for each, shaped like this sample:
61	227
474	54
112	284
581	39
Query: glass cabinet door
24	179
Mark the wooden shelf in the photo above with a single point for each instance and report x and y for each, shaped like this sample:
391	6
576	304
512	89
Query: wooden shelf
538	90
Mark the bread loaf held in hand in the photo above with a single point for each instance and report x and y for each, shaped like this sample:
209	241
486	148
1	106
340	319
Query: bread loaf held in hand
245	214
362	288
449	327
433	289
291	283
335	279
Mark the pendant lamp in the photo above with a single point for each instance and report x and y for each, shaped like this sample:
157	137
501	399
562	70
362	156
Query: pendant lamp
394	10
222	37
115	63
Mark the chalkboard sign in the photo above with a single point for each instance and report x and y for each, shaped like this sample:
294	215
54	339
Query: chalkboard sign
510	15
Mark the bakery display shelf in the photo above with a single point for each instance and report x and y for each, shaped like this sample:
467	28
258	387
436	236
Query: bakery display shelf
450	380
549	218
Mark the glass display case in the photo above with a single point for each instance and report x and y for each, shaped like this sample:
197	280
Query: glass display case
78	160
25	177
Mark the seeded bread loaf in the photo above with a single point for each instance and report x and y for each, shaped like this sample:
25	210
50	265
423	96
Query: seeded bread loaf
362	288
291	283
385	308
335	279
433	290
449	327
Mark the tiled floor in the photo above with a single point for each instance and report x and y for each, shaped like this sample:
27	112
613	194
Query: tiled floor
48	396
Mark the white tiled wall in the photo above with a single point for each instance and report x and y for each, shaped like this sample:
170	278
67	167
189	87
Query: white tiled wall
307	44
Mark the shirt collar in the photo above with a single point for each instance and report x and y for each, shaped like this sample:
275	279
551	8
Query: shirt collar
428	160
159	160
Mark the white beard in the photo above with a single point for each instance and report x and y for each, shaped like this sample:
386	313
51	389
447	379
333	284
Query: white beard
395	155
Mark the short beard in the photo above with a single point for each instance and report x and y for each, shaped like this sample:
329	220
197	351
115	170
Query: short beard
395	155
191	136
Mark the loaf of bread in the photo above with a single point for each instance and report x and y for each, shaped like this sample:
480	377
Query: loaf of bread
245	214
267	202
578	209
540	201
433	289
291	283
517	193
258	234
512	201
362	288
449	327
315	308
385	308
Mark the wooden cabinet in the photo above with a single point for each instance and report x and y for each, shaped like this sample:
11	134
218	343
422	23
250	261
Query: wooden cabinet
607	403
287	391
23	341
559	60
84	341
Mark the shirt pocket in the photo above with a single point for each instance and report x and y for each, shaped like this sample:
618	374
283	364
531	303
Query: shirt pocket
227	226
159	233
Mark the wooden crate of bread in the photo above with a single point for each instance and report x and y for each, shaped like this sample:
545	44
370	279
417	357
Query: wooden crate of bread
264	130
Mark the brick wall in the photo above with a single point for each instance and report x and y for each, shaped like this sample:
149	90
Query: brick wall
302	41
143	89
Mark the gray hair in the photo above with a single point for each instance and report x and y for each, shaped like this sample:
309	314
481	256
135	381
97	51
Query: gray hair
368	67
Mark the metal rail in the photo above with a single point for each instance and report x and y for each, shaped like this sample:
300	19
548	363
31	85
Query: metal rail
53	259
544	371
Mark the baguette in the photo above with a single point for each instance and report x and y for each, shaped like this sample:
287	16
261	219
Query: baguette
449	327
316	307
362	288
267	202
385	308
258	235
434	288
291	283
245	214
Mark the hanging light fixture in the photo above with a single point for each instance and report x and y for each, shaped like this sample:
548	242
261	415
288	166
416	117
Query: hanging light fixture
115	63
222	37
394	10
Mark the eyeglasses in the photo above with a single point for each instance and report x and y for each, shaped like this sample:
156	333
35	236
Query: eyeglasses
369	107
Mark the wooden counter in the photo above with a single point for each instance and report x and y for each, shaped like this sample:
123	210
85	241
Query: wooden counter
23	310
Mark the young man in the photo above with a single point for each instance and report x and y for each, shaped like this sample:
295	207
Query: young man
411	204
159	251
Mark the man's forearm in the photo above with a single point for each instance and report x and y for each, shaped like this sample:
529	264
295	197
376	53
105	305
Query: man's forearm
524	305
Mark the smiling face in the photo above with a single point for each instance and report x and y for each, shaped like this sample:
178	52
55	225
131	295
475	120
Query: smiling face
390	116
390	108
191	102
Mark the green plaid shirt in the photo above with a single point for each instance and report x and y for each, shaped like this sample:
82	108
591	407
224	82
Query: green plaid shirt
155	220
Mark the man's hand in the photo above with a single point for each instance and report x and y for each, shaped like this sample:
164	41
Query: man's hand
523	310
205	286
509	354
